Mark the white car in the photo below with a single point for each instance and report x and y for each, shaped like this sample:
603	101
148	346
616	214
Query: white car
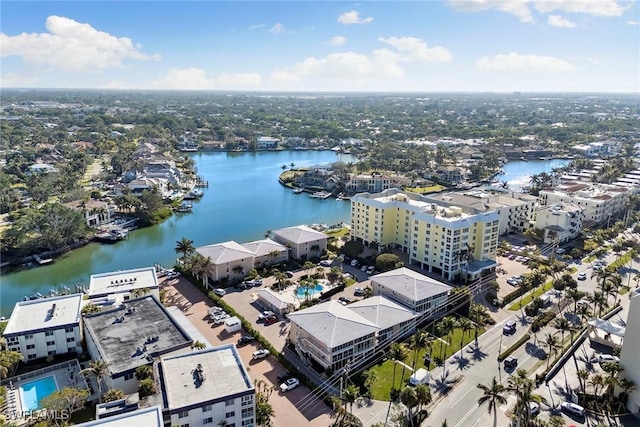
582	276
534	408
220	292
371	269
260	354
326	263
289	384
560	251
604	358
572	408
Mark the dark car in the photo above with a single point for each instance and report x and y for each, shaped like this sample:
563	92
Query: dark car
245	339
289	274
510	362
282	378
270	320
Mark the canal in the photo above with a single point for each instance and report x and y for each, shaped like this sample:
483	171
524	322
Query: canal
243	201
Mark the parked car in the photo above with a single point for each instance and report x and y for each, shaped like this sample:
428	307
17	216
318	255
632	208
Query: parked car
173	275
354	263
221	318
364	268
572	408
220	292
371	269
604	358
509	328
326	262
345	300
289	274
560	251
289	384
264	315
358	292
260	354
534	408
257	282
582	276
270	320
244	340
284	377
510	362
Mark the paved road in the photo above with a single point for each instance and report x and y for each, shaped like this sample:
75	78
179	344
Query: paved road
479	365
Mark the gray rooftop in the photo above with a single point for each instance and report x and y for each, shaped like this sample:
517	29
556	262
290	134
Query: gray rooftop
122	281
122	344
332	323
147	417
221	253
382	312
223	372
410	284
44	313
299	234
264	247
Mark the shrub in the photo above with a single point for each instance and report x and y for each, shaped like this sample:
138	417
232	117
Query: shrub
144	372
523	339
112	395
147	388
542	321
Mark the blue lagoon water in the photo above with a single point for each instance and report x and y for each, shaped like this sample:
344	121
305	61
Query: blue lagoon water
244	200
518	173
33	392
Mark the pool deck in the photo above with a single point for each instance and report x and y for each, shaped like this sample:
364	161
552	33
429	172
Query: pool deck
66	374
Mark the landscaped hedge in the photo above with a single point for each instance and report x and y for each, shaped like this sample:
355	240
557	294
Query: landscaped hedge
331	292
513	295
542	320
523	339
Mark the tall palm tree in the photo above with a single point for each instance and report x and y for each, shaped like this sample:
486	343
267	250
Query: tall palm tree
370	378
350	395
598	299
397	352
476	312
493	395
98	369
551	343
466	325
409	398
583	376
419	341
563	325
185	247
423	393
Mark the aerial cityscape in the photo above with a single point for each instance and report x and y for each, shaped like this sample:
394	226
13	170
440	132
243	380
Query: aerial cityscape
320	213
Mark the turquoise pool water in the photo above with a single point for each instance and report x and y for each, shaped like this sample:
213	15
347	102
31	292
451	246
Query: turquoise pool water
33	392
308	291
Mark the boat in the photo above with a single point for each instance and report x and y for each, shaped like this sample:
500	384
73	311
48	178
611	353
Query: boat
320	195
185	207
298	190
193	194
42	261
113	235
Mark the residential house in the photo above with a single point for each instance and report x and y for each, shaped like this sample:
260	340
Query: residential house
267	252
320	178
373	183
45	327
304	242
230	260
266	142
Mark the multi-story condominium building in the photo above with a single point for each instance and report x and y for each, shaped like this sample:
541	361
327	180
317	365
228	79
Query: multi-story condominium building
45	327
456	241
599	201
304	242
132	335
516	210
147	417
415	291
123	285
331	335
561	222
267	252
394	320
373	183
202	388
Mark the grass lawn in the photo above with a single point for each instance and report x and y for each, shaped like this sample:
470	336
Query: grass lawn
623	290
425	190
338	233
620	262
382	387
589	259
526	299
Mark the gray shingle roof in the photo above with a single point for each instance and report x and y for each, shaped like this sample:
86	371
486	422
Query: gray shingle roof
410	284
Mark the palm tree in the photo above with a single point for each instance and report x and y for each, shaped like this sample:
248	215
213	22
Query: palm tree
97	368
466	325
598	300
409	399
493	395
552	344
476	312
308	265
563	325
423	393
397	352
185	247
350	395
267	234
370	378
198	345
583	376
419	341
626	387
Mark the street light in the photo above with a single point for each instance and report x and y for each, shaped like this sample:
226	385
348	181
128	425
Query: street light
553	405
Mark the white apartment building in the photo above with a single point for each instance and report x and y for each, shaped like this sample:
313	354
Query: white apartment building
456	241
203	388
413	290
304	242
122	285
561	221
45	327
599	201
132	335
373	183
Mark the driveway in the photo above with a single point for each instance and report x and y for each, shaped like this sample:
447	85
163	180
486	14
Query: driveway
293	408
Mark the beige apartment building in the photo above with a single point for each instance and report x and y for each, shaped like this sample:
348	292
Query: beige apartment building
456	241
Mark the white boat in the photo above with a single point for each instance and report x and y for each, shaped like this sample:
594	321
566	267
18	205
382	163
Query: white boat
320	195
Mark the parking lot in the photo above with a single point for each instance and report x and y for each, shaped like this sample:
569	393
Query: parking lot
195	306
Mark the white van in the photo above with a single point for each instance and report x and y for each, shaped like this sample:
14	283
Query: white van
420	376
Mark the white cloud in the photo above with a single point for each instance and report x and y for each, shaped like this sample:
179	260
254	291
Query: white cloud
17	80
72	46
559	21
256	26
515	61
633	22
519	8
353	17
589	7
337	41
415	49
197	79
277	28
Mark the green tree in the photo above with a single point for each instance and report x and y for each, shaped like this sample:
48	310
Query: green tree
352	248
493	395
97	368
112	395
350	395
144	372
185	247
409	398
387	262
147	387
68	400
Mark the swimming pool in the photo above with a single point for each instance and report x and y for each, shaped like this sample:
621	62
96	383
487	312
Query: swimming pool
33	392
308	291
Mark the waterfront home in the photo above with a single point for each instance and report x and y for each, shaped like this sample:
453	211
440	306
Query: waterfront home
373	183
45	327
206	387
122	285
230	260
132	335
139	185
319	177
267	252
266	142
413	290
304	242
95	212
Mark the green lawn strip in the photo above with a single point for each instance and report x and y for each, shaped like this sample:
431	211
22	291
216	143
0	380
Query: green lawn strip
528	297
620	262
424	190
382	388
623	290
338	233
589	259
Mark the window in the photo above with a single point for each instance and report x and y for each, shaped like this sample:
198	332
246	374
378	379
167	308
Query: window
72	339
184	425
48	333
207	408
51	343
229	402
247	423
29	337
247	399
51	353
31	356
128	377
183	414
31	346
207	420
230	414
68	330
247	412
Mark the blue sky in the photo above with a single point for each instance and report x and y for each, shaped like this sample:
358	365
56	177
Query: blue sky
429	46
